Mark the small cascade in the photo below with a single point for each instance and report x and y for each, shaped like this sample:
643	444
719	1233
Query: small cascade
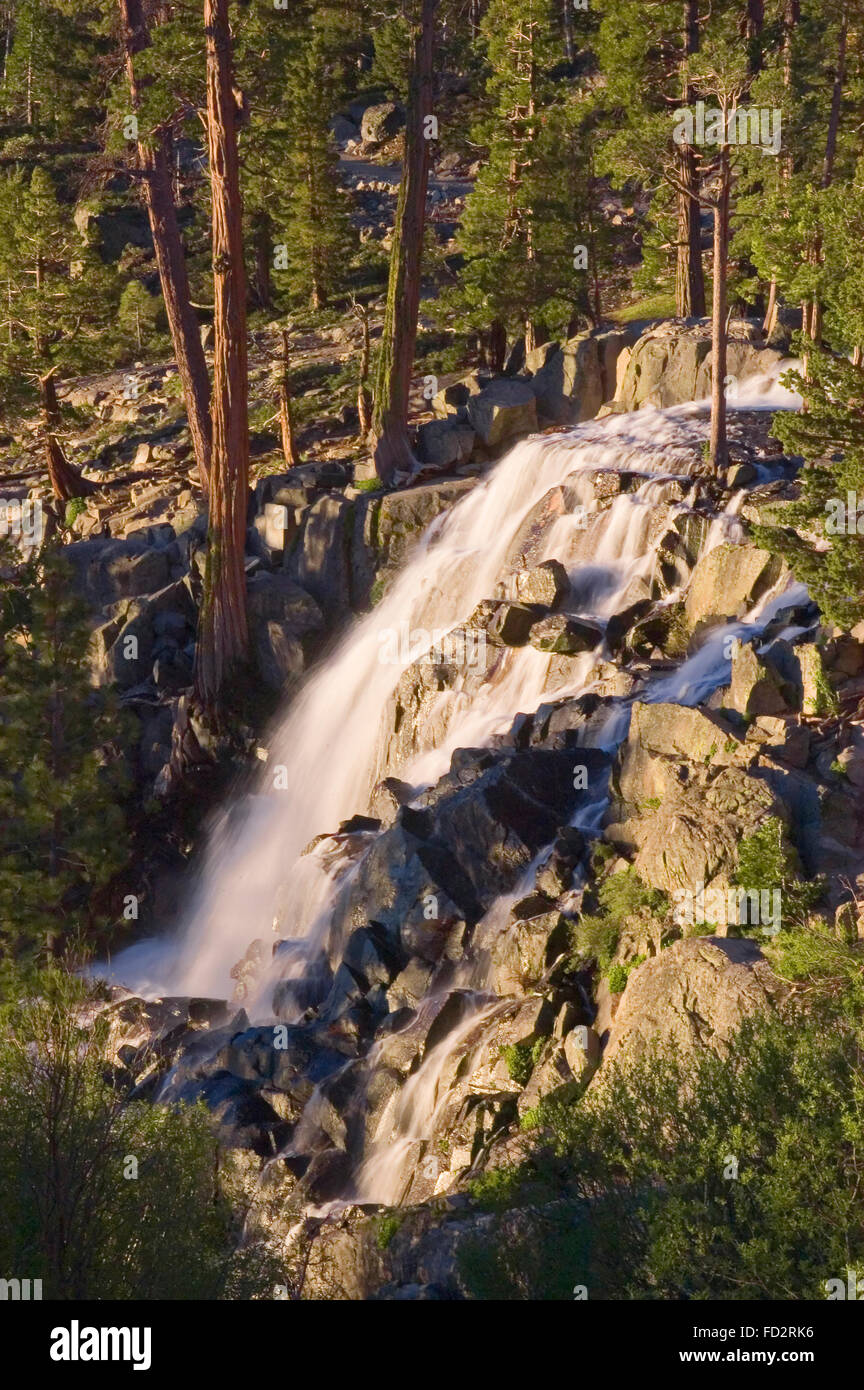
541	501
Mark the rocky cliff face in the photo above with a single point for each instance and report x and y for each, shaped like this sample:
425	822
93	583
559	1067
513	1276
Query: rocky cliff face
647	693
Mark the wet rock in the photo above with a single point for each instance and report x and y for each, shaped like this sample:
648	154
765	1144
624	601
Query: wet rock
506	623
564	636
516	955
727	582
546	584
403	516
671	363
757	687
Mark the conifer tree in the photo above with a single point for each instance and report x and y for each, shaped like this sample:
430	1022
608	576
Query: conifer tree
392	450
223	635
530	210
62	778
59	302
822	533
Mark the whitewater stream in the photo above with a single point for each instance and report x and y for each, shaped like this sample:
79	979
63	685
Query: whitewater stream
325	754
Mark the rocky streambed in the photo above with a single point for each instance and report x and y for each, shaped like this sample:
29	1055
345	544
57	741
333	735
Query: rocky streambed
382	970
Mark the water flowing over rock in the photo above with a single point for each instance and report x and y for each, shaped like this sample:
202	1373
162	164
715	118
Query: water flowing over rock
411	866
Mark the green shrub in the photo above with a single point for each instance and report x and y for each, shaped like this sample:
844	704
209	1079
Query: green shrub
100	1197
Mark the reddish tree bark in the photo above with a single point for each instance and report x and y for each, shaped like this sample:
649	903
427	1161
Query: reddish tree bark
719	451
689	276
154	162
396	358
66	481
223	637
290	452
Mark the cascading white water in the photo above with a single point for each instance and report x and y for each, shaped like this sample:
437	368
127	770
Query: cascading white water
255	870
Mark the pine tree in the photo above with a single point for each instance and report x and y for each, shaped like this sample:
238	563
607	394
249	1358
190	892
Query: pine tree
223	635
395	360
531	208
822	533
644	53
318	238
59	301
62	779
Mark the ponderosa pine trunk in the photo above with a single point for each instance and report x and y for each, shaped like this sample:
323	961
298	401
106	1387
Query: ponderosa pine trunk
718	448
262	240
223	636
154	162
290	452
689	276
66	481
392	448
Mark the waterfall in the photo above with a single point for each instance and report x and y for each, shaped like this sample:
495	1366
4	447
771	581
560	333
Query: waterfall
326	751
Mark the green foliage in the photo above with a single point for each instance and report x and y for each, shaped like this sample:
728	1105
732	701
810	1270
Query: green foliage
533	200
620	897
387	1227
521	1059
496	1189
102	1198
619	973
62	776
830	435
766	860
648	1195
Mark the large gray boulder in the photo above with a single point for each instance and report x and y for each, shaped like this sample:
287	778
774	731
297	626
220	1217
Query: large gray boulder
381	122
445	443
402	517
570	387
694	995
726	583
502	411
684	798
319	561
671	363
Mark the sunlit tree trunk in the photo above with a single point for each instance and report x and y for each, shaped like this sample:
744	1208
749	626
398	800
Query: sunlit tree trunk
66	481
154	162
223	638
392	448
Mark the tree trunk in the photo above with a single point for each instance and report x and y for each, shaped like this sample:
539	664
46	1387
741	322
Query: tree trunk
689	276
836	103
496	349
364	400
396	355
771	309
754	26
223	637
262	241
154	159
66	481
718	452
286	419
